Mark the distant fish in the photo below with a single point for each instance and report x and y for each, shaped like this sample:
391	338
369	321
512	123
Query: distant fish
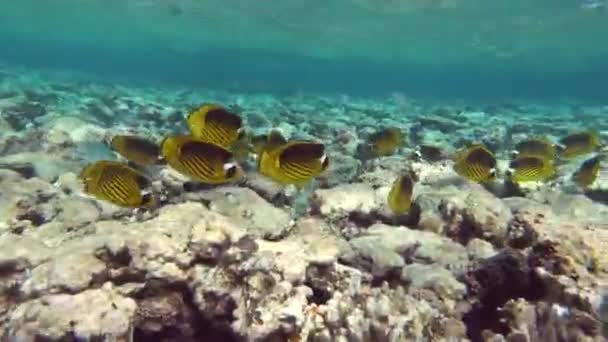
215	124
385	142
578	144
293	162
258	143
275	139
175	10
537	147
476	163
531	169
587	172
117	183
431	153
136	149
202	161
400	196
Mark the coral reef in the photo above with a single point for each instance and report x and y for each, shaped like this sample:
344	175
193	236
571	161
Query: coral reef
257	261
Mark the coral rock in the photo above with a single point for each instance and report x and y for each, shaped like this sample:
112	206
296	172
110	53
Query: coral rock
343	200
96	313
250	211
385	249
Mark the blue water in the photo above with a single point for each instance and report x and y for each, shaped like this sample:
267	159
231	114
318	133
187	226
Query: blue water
547	50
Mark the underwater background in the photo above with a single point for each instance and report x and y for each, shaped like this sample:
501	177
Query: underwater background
304	170
444	48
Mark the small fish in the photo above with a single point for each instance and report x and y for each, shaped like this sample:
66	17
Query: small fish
531	169
215	124
431	153
293	162
202	161
476	163
400	196
385	142
175	10
258	142
535	148
587	172
273	139
136	149
579	143
117	183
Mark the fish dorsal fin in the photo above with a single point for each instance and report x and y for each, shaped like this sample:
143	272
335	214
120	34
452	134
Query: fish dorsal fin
464	152
480	149
202	109
303	153
275	140
204	149
223	116
161	145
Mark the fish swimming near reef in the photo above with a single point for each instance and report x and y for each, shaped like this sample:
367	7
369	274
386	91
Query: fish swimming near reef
400	196
531	169
536	147
475	163
579	143
215	124
136	149
292	162
117	183
201	161
431	153
385	142
587	173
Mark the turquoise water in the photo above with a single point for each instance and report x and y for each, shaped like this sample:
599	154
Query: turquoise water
443	48
381	170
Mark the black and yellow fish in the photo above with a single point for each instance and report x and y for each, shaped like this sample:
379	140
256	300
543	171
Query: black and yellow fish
385	142
476	163
117	183
215	124
400	196
292	162
580	143
136	149
531	169
587	173
537	147
431	153
274	139
202	161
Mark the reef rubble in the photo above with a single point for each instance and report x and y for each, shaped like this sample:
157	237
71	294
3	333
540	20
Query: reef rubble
71	269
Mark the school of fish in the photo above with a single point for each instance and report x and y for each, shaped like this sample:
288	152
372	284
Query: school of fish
218	146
